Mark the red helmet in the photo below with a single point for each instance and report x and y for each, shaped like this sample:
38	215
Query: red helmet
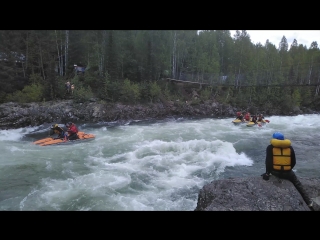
238	113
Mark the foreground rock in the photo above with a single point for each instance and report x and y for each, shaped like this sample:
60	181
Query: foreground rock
256	194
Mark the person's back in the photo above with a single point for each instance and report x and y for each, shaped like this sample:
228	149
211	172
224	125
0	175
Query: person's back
56	129
260	118
72	130
280	160
239	116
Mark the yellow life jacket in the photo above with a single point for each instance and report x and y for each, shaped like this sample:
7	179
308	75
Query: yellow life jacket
281	154
58	130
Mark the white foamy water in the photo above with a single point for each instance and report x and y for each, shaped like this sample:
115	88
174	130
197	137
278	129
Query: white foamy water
148	166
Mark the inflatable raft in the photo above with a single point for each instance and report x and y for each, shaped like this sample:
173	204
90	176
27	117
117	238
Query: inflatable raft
51	141
251	124
238	121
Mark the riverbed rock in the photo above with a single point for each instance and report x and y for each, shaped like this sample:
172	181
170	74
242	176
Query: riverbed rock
256	194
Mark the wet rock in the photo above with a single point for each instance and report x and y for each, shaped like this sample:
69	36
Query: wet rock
15	115
256	194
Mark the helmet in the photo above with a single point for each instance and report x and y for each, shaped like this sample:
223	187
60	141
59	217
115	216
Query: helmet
278	135
238	113
56	125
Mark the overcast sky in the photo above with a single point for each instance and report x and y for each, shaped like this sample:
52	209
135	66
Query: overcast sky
305	37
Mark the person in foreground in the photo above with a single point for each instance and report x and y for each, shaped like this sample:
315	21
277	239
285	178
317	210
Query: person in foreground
72	131
56	129
280	160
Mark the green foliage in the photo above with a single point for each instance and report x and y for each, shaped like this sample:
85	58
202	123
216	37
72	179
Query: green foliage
36	78
130	91
212	56
155	90
82	94
166	92
105	87
30	93
296	97
2	96
205	94
306	96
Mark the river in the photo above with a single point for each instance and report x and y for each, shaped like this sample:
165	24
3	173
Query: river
154	165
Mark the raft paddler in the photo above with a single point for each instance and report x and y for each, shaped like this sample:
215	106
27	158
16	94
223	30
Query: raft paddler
56	129
240	116
72	131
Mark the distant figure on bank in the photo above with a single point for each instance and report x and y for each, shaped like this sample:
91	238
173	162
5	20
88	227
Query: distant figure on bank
280	160
67	85
72	88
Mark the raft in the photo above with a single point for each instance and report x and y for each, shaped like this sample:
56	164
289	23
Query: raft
51	141
251	124
237	121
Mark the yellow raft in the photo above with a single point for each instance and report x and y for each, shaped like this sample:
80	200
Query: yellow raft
251	124
51	141
237	121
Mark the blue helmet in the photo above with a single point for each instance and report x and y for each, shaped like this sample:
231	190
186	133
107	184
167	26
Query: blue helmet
278	135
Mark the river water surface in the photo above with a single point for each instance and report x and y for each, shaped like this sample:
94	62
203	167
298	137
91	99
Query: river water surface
143	165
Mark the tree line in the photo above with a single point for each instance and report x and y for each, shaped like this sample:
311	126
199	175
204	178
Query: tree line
128	65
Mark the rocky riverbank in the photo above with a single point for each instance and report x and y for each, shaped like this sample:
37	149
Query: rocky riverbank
16	115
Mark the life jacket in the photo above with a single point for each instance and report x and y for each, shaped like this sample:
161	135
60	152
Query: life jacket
59	131
73	129
281	154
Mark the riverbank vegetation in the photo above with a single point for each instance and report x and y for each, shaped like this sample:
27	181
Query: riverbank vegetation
133	66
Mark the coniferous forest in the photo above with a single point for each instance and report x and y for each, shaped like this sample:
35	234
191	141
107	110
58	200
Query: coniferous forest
130	66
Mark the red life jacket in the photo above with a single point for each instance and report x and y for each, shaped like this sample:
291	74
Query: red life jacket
73	129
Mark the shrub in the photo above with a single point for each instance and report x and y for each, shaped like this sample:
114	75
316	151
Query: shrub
130	91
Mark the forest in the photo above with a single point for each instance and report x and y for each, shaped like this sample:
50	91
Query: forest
130	66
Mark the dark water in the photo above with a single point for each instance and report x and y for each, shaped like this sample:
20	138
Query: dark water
142	165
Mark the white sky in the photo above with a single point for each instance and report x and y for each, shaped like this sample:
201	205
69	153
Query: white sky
305	37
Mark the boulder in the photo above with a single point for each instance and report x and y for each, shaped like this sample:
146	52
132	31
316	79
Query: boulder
256	194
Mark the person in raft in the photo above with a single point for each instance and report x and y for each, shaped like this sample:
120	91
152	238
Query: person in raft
260	118
254	119
280	160
239	116
247	117
56	129
72	131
